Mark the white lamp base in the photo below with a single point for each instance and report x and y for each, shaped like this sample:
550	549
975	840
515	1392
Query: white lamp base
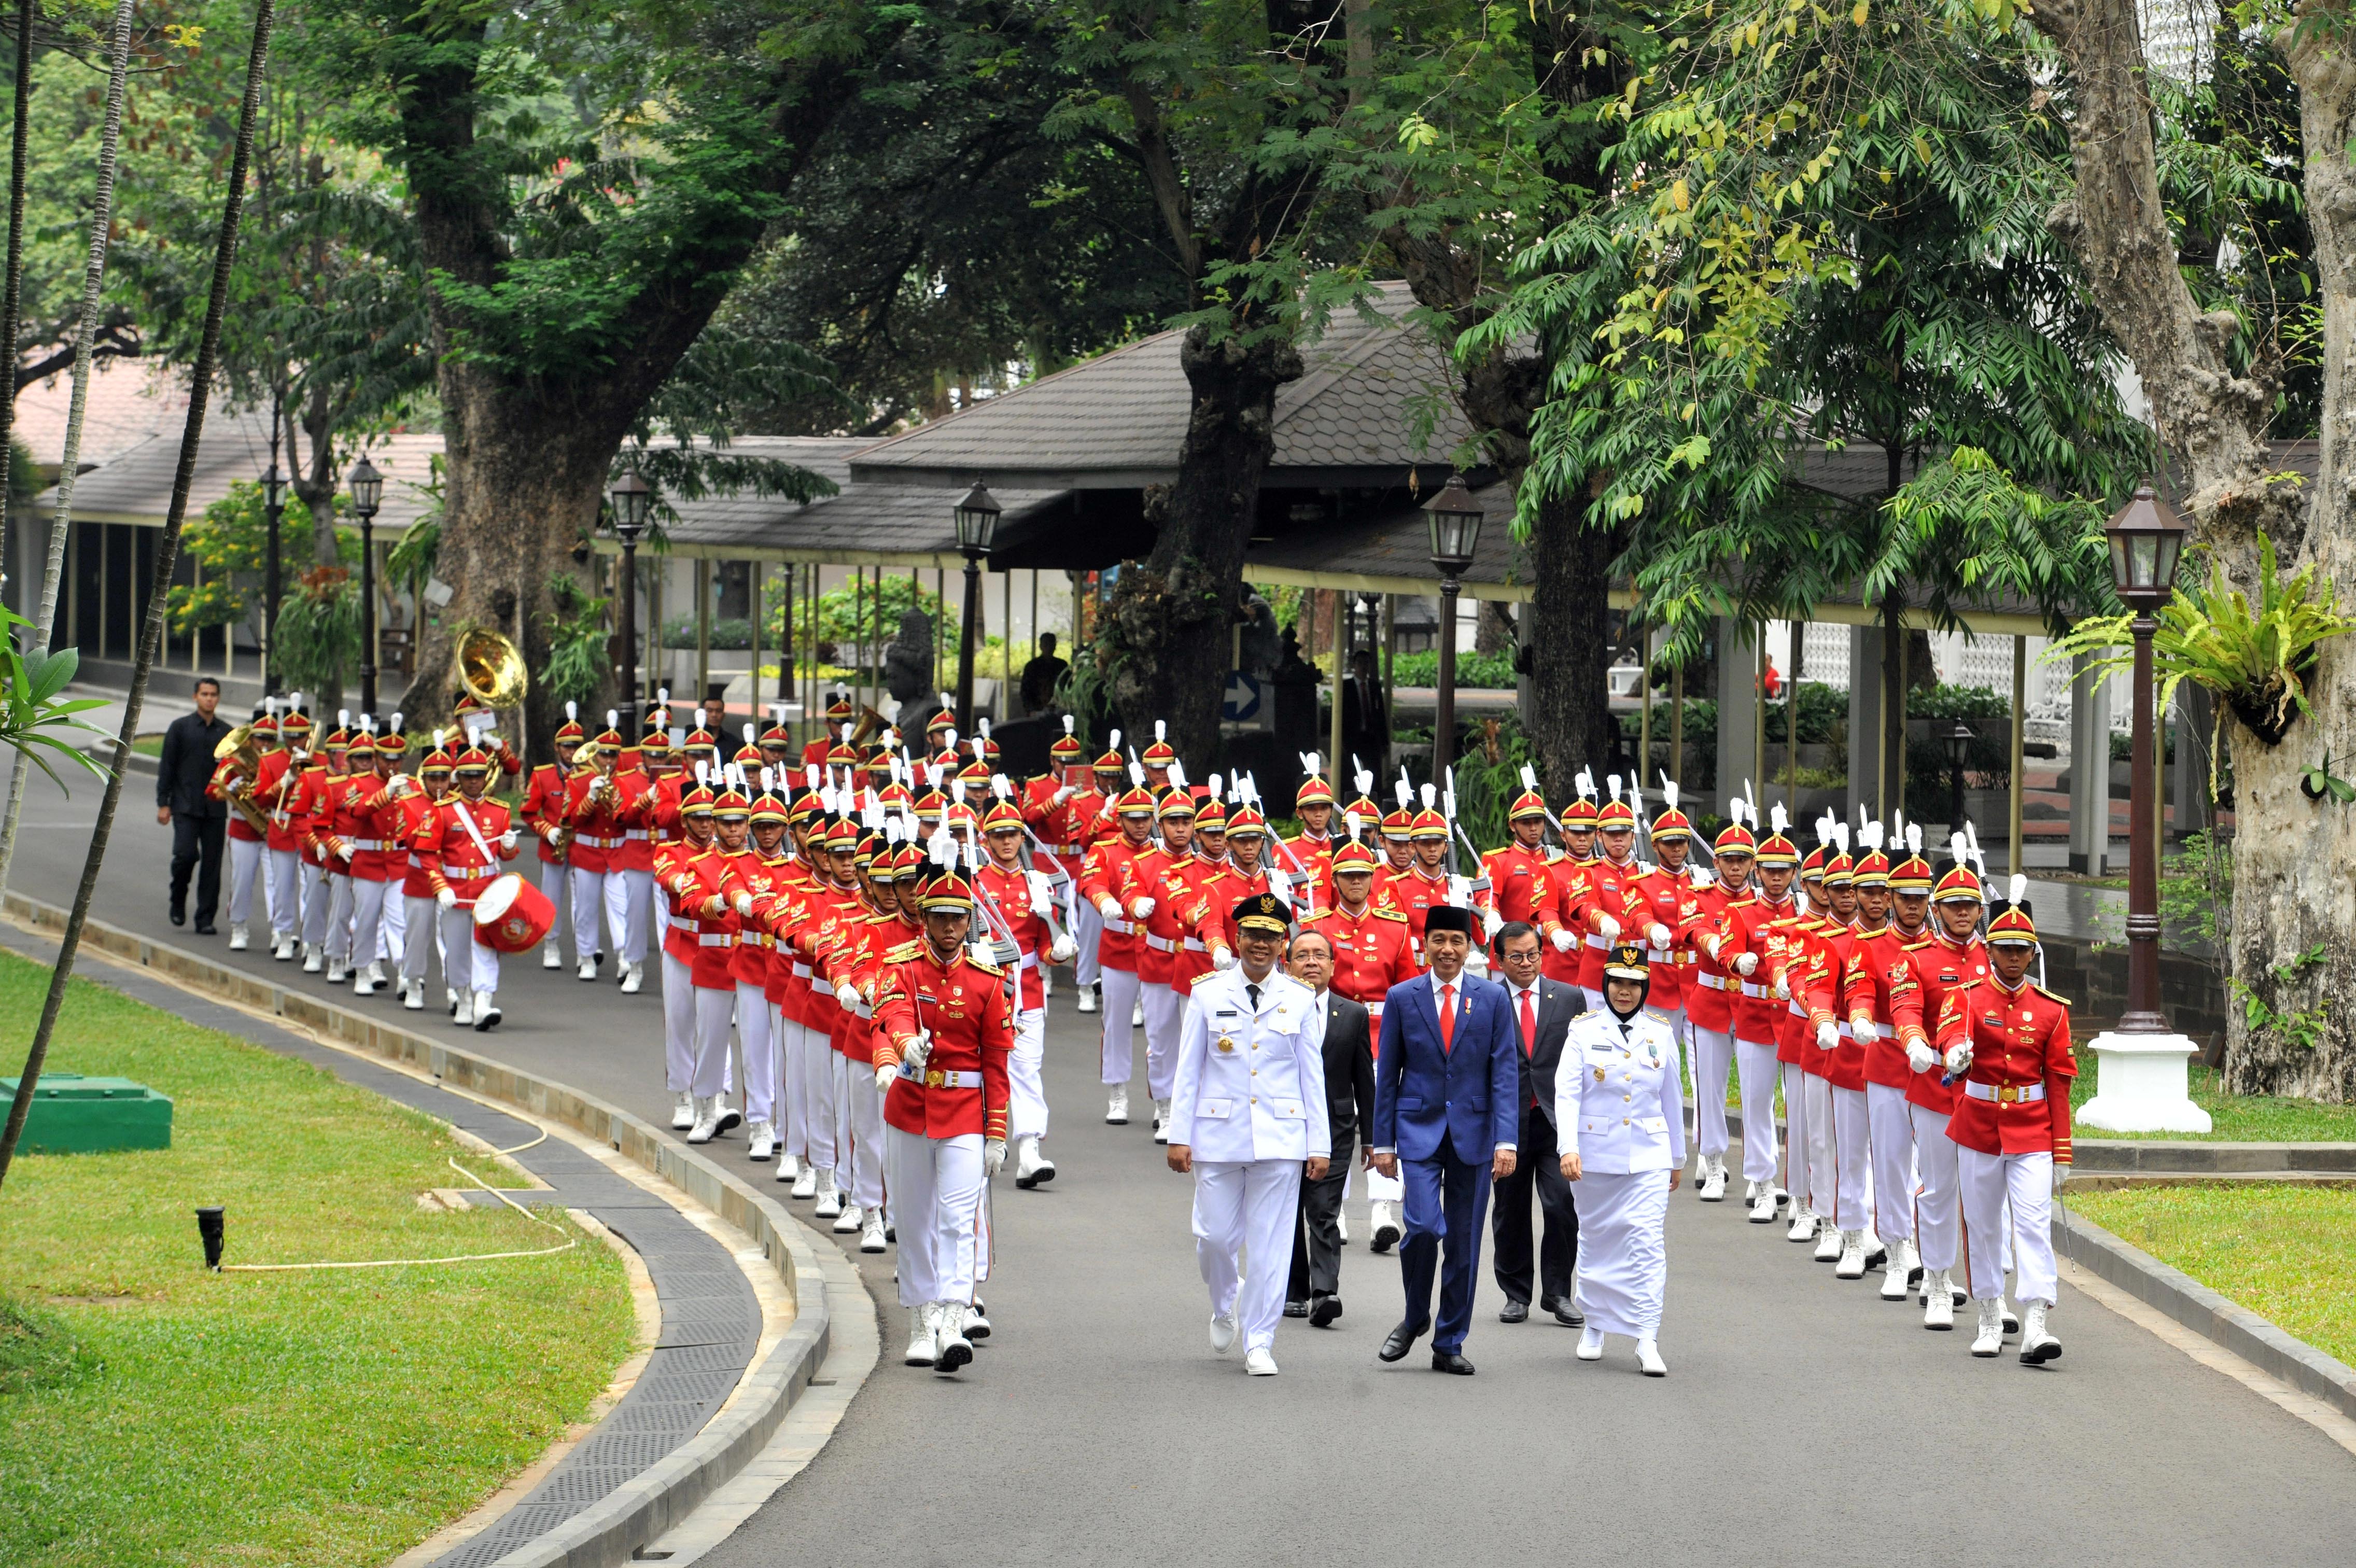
2143	1085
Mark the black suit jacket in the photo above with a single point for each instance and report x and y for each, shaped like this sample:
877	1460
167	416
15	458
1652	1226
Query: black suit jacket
1349	1069
187	767
1557	1005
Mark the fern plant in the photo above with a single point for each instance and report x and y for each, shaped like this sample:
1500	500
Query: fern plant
577	642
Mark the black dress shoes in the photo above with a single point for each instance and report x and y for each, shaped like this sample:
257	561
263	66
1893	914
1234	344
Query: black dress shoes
180	917
205	928
1513	1312
1451	1361
1400	1341
1296	1309
1567	1314
1324	1310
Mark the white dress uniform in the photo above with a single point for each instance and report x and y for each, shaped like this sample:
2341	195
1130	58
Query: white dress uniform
1249	1102
1619	1106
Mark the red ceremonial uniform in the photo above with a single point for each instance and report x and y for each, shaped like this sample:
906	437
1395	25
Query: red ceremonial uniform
448	854
412	812
1009	895
969	1019
702	883
1105	871
1412	893
543	806
225	773
2021	1063
1067	828
595	820
1565	910
1518	888
1310	855
1707	1003
1662	897
1607	893
1372	952
1752	925
1180	913
279	791
1940	967
1878	970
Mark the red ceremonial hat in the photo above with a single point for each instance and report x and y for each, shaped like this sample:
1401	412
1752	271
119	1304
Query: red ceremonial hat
1211	816
1352	856
1245	822
2012	927
336	739
473	760
1840	872
976	774
696	803
1400	824
656	742
731	802
747	757
1135	800
1672	824
1313	791
842	833
1109	762
1426	824
1911	874
1369	814
767	807
701	739
392	743
1616	817
1777	849
907	862
840	755
1001	817
895	795
930	805
1160	755
1066	750
946	891
1527	804
1579	815
1873	869
267	725
1176	804
940	722
1813	868
1960	885
360	741
437	760
839	709
1735	840
569	733
296	723
775	735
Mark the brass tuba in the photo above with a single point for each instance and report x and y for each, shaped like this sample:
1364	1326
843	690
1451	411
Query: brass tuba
240	747
489	670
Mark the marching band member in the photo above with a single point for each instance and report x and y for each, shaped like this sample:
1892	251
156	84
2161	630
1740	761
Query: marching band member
835	902
1620	1112
790	972
414	811
1795	1025
838	713
231	783
1880	972
2007	1040
680	948
1613	904
1517	872
1063	806
1423	886
592	811
461	848
322	784
629	865
1308	855
1020	903
1709	1010
1667	894
543	814
348	827
286	801
1756	932
379	860
1952	955
852	964
1247	1117
1107	874
706	885
946	1030
754	869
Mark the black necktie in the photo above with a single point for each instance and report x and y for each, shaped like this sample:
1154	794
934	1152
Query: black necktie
1252	990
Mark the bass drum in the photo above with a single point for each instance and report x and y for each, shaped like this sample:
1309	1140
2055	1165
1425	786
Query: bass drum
512	915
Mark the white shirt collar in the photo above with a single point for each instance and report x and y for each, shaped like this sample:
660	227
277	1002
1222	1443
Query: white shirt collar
1437	982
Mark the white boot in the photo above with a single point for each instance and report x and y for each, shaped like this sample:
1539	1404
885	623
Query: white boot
588	970
829	1202
2038	1346
634	976
1897	1271
804	1182
1713	1181
1223	1334
922	1349
871	1235
952	1349
236	938
975	1322
285	951
1852	1256
1591	1344
1031	1166
1803	1224
704	1124
337	970
788	1168
1385	1218
1762	1205
1990	1338
847	1222
1648	1360
311	957
764	1140
365	981
1117	1106
550	957
1342	1226
487	1012
1161	1121
462	1011
725	1116
1939	1306
1829	1242
1137	1014
1260	1362
683	1111
1088	999
413	998
450	1000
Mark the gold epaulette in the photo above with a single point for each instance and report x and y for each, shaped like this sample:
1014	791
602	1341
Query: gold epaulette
905	951
1913	947
1392	915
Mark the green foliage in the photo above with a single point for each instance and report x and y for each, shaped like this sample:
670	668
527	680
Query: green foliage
1824	716
232	543
409	564
850	615
2306	1030
319	641
1987	761
728	634
1489	776
2253	657
36	721
577	642
1472	669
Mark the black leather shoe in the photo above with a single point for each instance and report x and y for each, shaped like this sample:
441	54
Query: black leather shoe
180	917
1400	1341
205	928
1568	1315
1296	1309
1324	1310
1451	1361
1513	1312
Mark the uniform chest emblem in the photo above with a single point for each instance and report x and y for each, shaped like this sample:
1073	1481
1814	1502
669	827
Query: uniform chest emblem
1226	1043
1599	1075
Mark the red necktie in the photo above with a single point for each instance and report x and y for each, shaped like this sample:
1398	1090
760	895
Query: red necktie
1530	1026
1447	1018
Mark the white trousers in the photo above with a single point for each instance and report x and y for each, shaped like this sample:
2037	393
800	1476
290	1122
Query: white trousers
1797	1178
285	891
1936	1206
629	895
1165	1011
1120	993
1244	1215
368	919
245	856
319	900
1713	1055
470	965
419	915
760	1052
793	1094
1757	1068
1852	1167
1623	1253
865	1114
2026	1181
1823	1186
936	1196
395	942
1891	1131
340	905
588	913
715	1010
818	1060
556	882
1027	1092
1087	931
679	1024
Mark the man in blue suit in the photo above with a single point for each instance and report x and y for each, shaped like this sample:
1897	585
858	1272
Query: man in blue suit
1448	1081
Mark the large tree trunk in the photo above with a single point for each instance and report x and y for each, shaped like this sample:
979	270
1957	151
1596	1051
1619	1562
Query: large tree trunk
1167	637
1570	718
2294	919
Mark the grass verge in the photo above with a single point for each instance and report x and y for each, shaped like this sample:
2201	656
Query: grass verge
2286	1253
2238	1118
153	1413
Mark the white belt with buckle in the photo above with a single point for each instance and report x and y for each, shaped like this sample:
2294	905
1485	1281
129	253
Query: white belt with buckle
801	971
823	987
1194	946
1595	940
1715	982
939	1077
1119	927
366	843
636	833
681	923
1159	944
1884	1031
1755	991
468	872
711	938
1030	960
598	843
2005	1093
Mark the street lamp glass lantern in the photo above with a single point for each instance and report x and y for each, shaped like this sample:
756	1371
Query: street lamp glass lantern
367	487
1455	526
1959	743
2145	537
274	488
977	522
633	501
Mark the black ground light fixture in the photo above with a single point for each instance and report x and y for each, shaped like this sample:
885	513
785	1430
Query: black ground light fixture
211	1227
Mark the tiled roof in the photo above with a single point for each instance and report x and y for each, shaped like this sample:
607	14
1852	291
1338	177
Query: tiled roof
130	401
1391	552
136	486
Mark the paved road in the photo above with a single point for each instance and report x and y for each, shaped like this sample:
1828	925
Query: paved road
1804	1420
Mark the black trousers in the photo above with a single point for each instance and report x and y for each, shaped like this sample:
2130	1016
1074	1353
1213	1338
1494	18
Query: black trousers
1317	1233
1538	1164
197	847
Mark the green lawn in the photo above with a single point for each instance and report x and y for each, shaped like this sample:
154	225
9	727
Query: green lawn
152	1413
2287	1253
2239	1118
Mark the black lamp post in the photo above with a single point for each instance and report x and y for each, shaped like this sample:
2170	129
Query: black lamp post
1959	751
273	507
368	489
1455	533
2144	538
976	530
633	499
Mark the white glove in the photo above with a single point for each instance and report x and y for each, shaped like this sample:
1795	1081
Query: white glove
1563	938
1608	929
846	996
917	1051
448	899
1490	923
744	902
1064	950
1782	989
1959	1059
2060	1174
1711	943
993	1157
1919	1056
1657	935
1827	1035
1063	794
1746	964
1140	908
547	832
1221	959
1459	892
507	839
884	1077
1108	907
1477	961
344	850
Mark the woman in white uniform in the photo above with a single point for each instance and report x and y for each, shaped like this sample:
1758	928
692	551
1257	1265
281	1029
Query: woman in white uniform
1619	1111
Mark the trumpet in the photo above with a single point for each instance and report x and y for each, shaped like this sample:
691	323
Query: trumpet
240	747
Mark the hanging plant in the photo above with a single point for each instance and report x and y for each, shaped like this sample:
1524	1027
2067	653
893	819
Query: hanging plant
320	631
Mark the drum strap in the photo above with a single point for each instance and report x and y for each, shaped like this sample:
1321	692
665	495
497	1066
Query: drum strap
466	822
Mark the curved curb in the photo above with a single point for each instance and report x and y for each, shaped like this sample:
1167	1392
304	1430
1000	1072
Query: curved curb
2213	1316
614	1529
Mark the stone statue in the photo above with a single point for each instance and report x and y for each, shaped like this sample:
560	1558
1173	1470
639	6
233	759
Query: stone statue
1260	650
908	671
